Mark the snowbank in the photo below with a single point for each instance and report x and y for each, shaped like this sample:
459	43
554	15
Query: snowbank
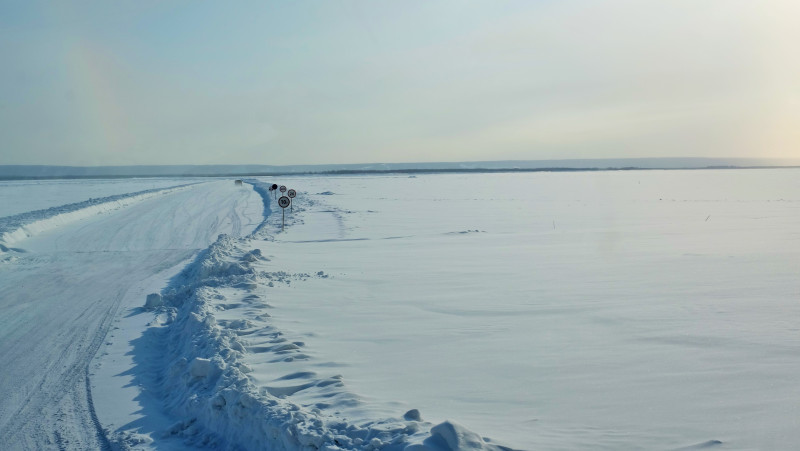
215	316
263	190
18	227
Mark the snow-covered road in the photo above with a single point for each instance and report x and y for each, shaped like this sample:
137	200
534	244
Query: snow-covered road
59	299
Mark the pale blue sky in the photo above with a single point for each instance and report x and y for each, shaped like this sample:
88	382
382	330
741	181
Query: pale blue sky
303	82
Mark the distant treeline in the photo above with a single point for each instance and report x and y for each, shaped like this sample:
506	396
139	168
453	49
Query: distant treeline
376	171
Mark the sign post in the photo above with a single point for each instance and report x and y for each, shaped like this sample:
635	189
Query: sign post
284	202
273	188
291	195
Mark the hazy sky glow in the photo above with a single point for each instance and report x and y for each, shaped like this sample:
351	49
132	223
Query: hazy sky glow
328	81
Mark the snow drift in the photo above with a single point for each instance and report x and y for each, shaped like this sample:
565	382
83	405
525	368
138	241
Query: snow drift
205	381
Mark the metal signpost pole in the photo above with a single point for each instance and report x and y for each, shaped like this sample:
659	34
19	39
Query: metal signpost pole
291	195
284	202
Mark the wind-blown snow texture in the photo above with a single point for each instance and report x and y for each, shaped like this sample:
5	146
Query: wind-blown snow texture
205	380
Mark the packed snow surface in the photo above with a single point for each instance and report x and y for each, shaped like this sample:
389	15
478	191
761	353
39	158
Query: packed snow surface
59	299
607	310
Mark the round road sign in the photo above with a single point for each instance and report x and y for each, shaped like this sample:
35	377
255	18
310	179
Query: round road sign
284	201
283	189
291	193
274	186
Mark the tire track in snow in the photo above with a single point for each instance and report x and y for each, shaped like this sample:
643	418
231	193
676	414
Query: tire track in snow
60	300
64	391
236	221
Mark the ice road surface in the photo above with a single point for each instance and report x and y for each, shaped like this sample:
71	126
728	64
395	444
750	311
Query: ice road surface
60	293
611	310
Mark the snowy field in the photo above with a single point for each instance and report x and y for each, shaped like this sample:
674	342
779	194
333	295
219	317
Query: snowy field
591	310
610	310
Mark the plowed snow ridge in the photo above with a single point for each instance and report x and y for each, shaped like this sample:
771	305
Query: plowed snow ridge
204	378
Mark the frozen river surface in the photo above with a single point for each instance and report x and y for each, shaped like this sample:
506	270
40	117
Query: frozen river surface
590	310
610	310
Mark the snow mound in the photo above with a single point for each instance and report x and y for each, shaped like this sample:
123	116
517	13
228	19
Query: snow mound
205	381
455	437
24	225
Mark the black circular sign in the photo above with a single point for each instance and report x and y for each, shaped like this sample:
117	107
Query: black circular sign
291	193
284	201
274	186
283	189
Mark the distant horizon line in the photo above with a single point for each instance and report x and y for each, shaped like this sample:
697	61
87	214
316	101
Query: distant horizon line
52	172
795	161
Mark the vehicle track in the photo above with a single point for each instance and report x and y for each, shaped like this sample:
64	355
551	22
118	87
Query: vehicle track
60	300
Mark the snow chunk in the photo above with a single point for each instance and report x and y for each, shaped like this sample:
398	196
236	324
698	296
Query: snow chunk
202	368
457	437
154	301
252	256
